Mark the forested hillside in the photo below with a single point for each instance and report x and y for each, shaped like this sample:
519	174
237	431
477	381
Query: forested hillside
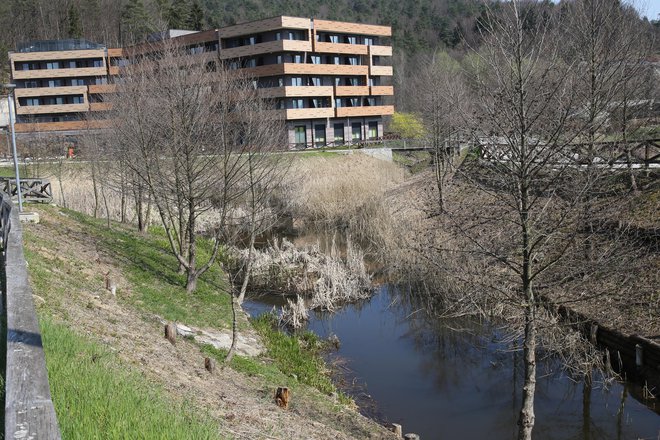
417	24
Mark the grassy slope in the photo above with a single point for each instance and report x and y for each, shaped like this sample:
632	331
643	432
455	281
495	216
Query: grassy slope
91	379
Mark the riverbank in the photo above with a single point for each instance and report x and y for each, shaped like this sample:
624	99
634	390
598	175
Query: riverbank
626	299
71	256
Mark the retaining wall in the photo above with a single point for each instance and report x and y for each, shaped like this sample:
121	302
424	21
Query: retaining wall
29	411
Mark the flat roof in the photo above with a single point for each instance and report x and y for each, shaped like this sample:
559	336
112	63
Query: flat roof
56	45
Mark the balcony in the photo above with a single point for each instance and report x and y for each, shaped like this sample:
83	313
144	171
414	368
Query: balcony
376	110
351	90
60	126
102	88
267	47
59	73
381	71
354	49
309	113
382	90
385	51
100	106
56	108
51	91
325	69
297	91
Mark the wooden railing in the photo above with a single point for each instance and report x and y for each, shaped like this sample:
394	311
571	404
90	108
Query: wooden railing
29	411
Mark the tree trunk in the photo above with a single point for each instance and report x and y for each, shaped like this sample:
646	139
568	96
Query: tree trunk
234	330
526	420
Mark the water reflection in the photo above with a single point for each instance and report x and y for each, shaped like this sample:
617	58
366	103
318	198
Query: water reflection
448	384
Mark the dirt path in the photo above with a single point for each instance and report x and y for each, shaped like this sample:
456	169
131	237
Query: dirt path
243	405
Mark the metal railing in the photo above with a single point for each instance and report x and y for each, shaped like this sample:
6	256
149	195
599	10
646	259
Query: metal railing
29	411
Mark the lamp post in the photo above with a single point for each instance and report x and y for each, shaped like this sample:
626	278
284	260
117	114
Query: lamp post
10	102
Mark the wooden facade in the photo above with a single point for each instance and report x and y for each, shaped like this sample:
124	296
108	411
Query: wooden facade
317	72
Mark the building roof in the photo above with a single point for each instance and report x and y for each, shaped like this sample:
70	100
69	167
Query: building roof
56	45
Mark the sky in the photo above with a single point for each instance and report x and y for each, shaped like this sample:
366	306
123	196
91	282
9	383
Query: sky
648	8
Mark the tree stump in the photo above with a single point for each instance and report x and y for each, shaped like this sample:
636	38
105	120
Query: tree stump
170	333
397	430
282	396
209	364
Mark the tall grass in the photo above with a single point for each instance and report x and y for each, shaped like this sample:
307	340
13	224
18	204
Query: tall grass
96	397
343	191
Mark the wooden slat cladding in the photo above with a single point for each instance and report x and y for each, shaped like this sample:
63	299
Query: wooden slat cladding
381	70
365	111
57	55
382	90
47	109
51	91
100	106
264	48
324	69
342	48
269	24
310	113
352	28
60	73
385	51
297	91
61	126
102	88
351	90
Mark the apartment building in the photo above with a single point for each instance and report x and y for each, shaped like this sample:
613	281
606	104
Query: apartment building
58	82
330	81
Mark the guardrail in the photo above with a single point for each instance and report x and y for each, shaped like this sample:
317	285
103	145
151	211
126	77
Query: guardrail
29	411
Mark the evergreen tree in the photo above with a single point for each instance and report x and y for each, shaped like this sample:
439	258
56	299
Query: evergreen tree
196	17
134	22
178	14
74	23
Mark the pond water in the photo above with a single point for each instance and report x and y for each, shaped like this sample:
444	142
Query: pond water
452	379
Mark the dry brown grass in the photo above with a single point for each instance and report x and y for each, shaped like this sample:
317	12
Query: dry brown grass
343	191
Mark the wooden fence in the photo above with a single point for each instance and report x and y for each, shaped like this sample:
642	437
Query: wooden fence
29	411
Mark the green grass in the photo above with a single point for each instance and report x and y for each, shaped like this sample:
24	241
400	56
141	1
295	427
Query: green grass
96	397
151	269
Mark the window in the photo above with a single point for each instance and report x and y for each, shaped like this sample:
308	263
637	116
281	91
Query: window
356	131
279	59
32	101
55	83
373	130
315	59
314	81
31	84
296	81
354	102
53	65
338	103
297	103
298	58
280	82
300	136
278	36
369	41
319	135
350	40
333	38
71	65
78	99
370	101
339	133
353	61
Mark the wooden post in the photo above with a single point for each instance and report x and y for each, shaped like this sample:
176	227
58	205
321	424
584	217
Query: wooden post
397	430
639	356
594	333
170	333
209	364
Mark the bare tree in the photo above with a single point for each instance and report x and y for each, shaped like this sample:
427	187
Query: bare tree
441	100
520	226
182	127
